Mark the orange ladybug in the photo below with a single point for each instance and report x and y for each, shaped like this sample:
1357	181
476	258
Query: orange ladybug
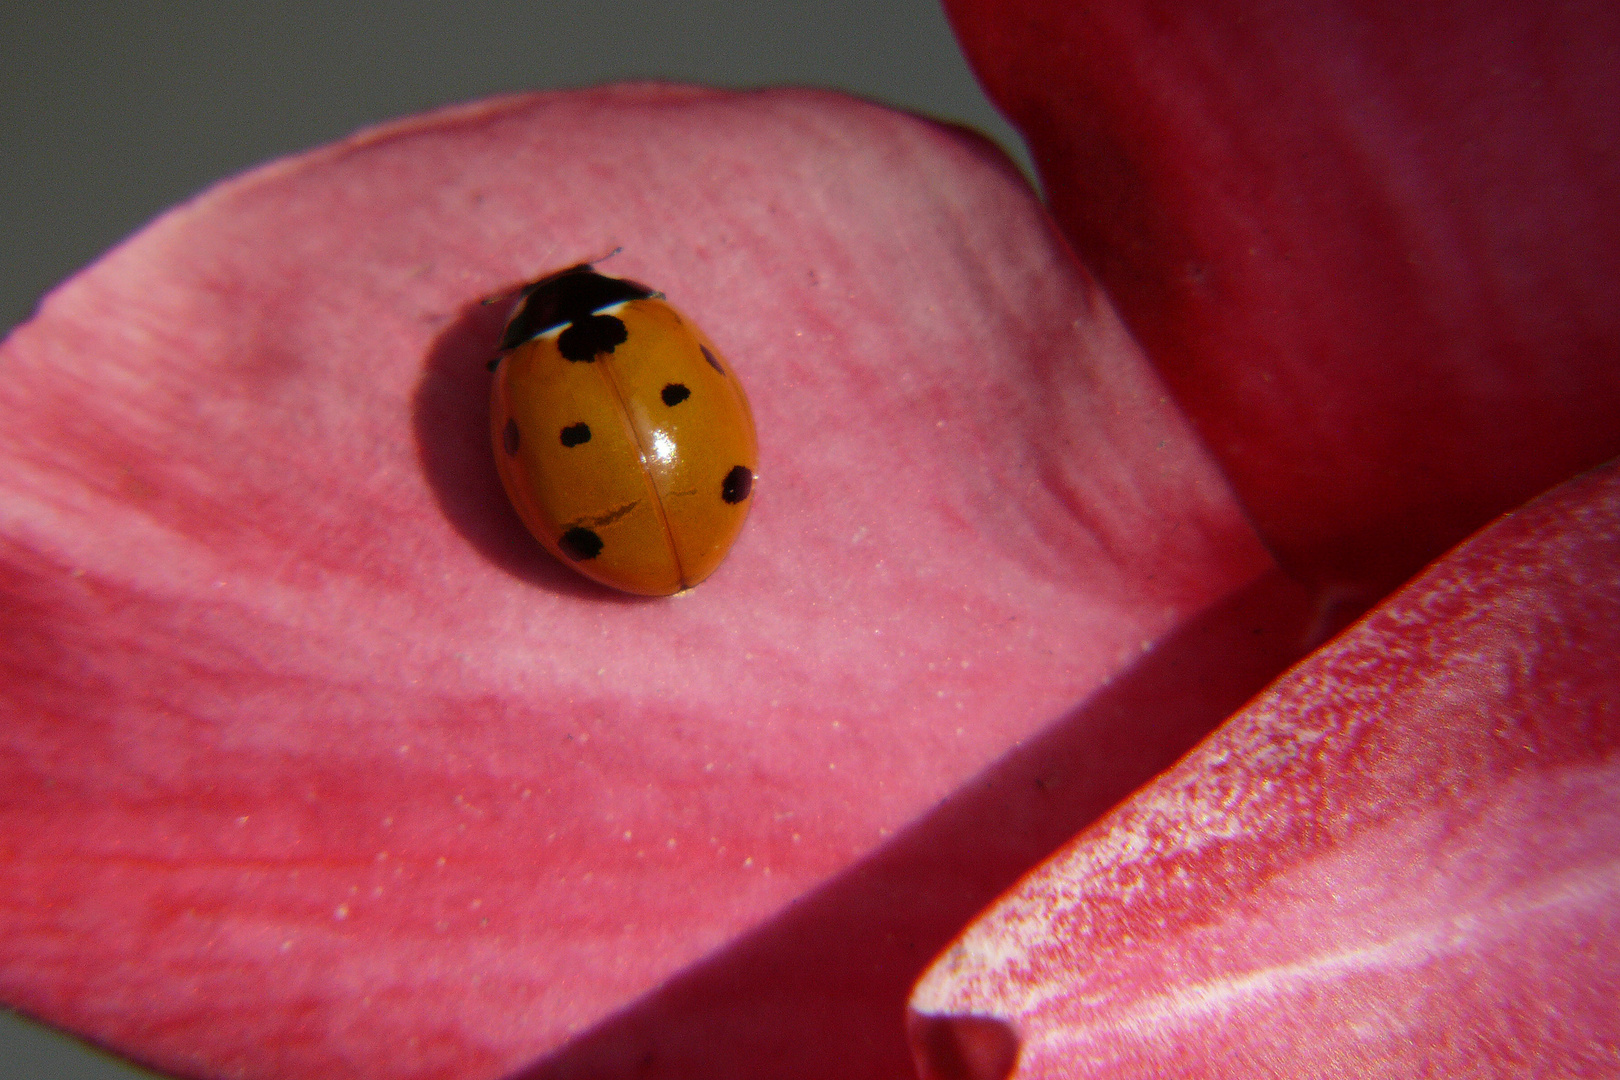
622	438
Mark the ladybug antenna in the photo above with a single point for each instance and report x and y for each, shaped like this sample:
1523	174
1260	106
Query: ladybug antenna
507	295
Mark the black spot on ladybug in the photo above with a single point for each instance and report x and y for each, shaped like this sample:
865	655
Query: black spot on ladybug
586	338
574	434
675	393
580	544
510	438
737	484
709	356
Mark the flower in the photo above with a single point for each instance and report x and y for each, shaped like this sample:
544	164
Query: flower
315	765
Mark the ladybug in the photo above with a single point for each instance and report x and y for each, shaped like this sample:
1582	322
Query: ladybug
622	438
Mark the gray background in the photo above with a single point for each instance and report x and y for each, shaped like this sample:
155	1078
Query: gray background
110	113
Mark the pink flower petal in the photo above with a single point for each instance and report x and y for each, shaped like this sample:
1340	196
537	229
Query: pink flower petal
314	764
1398	861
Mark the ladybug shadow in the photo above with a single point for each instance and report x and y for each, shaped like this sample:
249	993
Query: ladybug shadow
450	415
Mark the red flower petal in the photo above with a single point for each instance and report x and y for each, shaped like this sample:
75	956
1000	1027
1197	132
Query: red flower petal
1373	248
1399	861
314	764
